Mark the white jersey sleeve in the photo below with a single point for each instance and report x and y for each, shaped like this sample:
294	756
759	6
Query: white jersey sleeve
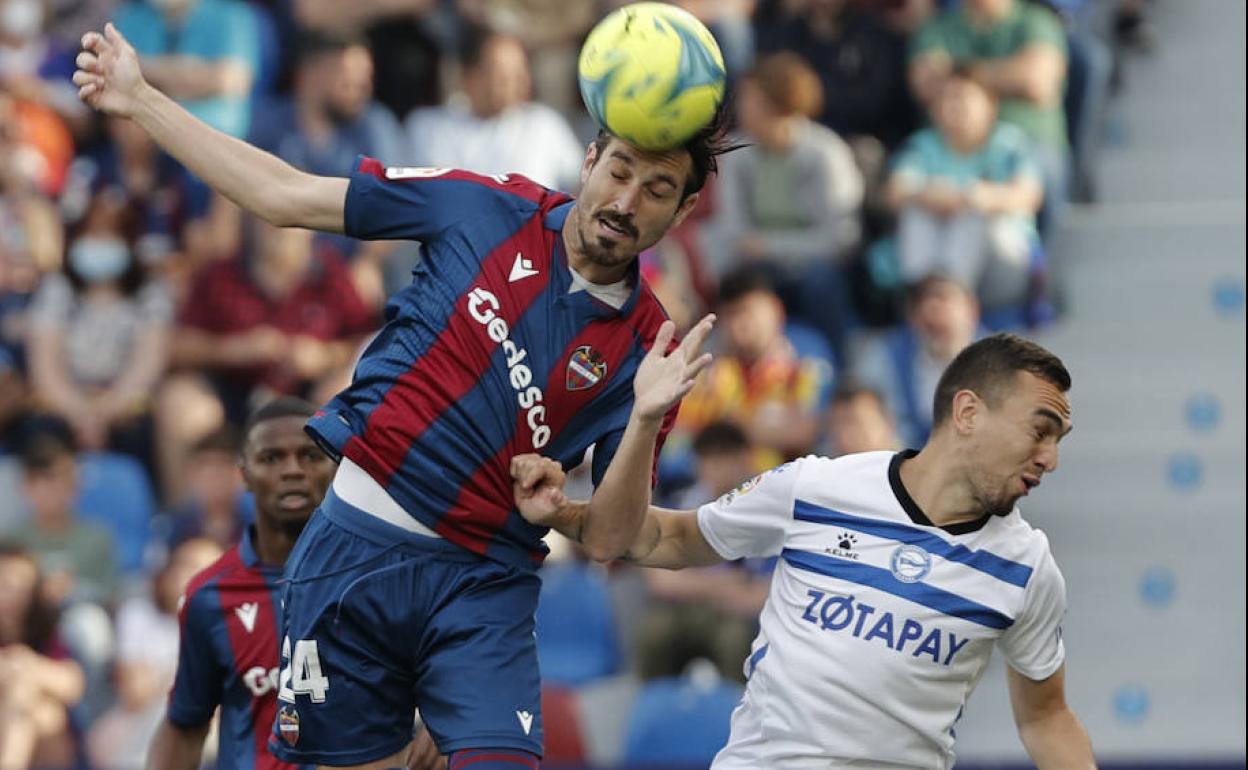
1033	644
753	519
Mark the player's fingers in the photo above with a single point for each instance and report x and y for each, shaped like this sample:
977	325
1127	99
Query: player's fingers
82	78
113	36
699	364
86	92
94	42
664	338
89	62
696	338
554	496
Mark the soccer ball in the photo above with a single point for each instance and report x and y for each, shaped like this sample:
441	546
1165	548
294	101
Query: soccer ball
651	74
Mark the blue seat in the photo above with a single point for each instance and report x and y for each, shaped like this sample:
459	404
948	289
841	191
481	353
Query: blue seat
114	491
678	722
576	636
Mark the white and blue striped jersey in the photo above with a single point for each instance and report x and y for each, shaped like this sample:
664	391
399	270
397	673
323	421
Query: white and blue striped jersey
879	624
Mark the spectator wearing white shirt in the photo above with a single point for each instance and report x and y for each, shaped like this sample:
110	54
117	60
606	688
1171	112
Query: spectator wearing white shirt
493	127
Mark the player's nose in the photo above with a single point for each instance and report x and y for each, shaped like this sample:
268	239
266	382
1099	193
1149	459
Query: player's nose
627	198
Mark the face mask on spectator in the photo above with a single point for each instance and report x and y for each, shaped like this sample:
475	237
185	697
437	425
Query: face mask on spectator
21	19
98	260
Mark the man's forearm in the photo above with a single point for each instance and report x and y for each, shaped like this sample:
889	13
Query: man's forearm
255	180
176	748
1058	742
618	507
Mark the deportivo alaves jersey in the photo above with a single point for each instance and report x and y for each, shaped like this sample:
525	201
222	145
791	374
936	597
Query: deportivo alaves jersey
878	624
485	355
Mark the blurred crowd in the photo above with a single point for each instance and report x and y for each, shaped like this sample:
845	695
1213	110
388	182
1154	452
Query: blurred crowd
907	164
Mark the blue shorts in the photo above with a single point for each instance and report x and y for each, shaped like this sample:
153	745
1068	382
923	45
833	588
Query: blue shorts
377	621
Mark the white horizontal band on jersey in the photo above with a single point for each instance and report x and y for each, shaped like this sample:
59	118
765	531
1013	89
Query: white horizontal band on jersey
355	487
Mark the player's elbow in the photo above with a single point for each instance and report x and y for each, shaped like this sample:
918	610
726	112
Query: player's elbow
604	551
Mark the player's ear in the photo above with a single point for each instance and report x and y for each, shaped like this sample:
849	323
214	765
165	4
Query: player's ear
966	408
685	208
591	158
242	469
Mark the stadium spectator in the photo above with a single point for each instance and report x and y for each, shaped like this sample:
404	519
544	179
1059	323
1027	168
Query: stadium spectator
33	66
494	126
858	420
966	193
1017	49
166	221
76	557
551	30
861	61
203	53
792	200
39	682
758	378
330	120
942	318
705	613
147	659
283	318
215	507
98	336
331	117
403	35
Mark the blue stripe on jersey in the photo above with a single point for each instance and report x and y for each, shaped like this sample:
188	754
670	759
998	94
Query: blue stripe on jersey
988	563
920	593
756	657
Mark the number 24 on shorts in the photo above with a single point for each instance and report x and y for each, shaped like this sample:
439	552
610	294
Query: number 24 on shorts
302	673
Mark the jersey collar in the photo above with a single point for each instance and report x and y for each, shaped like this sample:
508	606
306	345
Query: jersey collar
583	300
247	553
912	508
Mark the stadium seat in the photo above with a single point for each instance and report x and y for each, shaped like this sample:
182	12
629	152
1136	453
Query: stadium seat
561	723
114	491
576	636
679	722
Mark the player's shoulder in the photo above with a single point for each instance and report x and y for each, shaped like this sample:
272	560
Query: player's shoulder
1014	538
860	467
501	185
205	586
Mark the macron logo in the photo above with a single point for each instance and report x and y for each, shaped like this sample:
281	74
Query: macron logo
520	269
246	612
526	720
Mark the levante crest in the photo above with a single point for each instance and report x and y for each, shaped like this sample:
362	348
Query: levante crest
586	368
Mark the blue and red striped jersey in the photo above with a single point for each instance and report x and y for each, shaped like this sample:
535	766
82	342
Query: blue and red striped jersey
485	355
229	656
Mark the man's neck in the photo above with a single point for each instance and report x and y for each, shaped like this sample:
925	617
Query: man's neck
991	15
273	542
936	482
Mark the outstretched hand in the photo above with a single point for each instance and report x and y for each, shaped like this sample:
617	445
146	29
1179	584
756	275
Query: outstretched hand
663	379
537	483
108	75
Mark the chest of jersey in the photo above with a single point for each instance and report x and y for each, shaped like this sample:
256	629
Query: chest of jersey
247	648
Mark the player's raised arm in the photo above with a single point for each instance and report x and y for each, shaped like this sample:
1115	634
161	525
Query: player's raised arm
109	80
668	538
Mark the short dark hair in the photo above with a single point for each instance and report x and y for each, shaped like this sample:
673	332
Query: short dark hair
282	406
473	42
743	281
720	437
314	45
849	391
42	450
223	440
704	149
988	368
920	289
